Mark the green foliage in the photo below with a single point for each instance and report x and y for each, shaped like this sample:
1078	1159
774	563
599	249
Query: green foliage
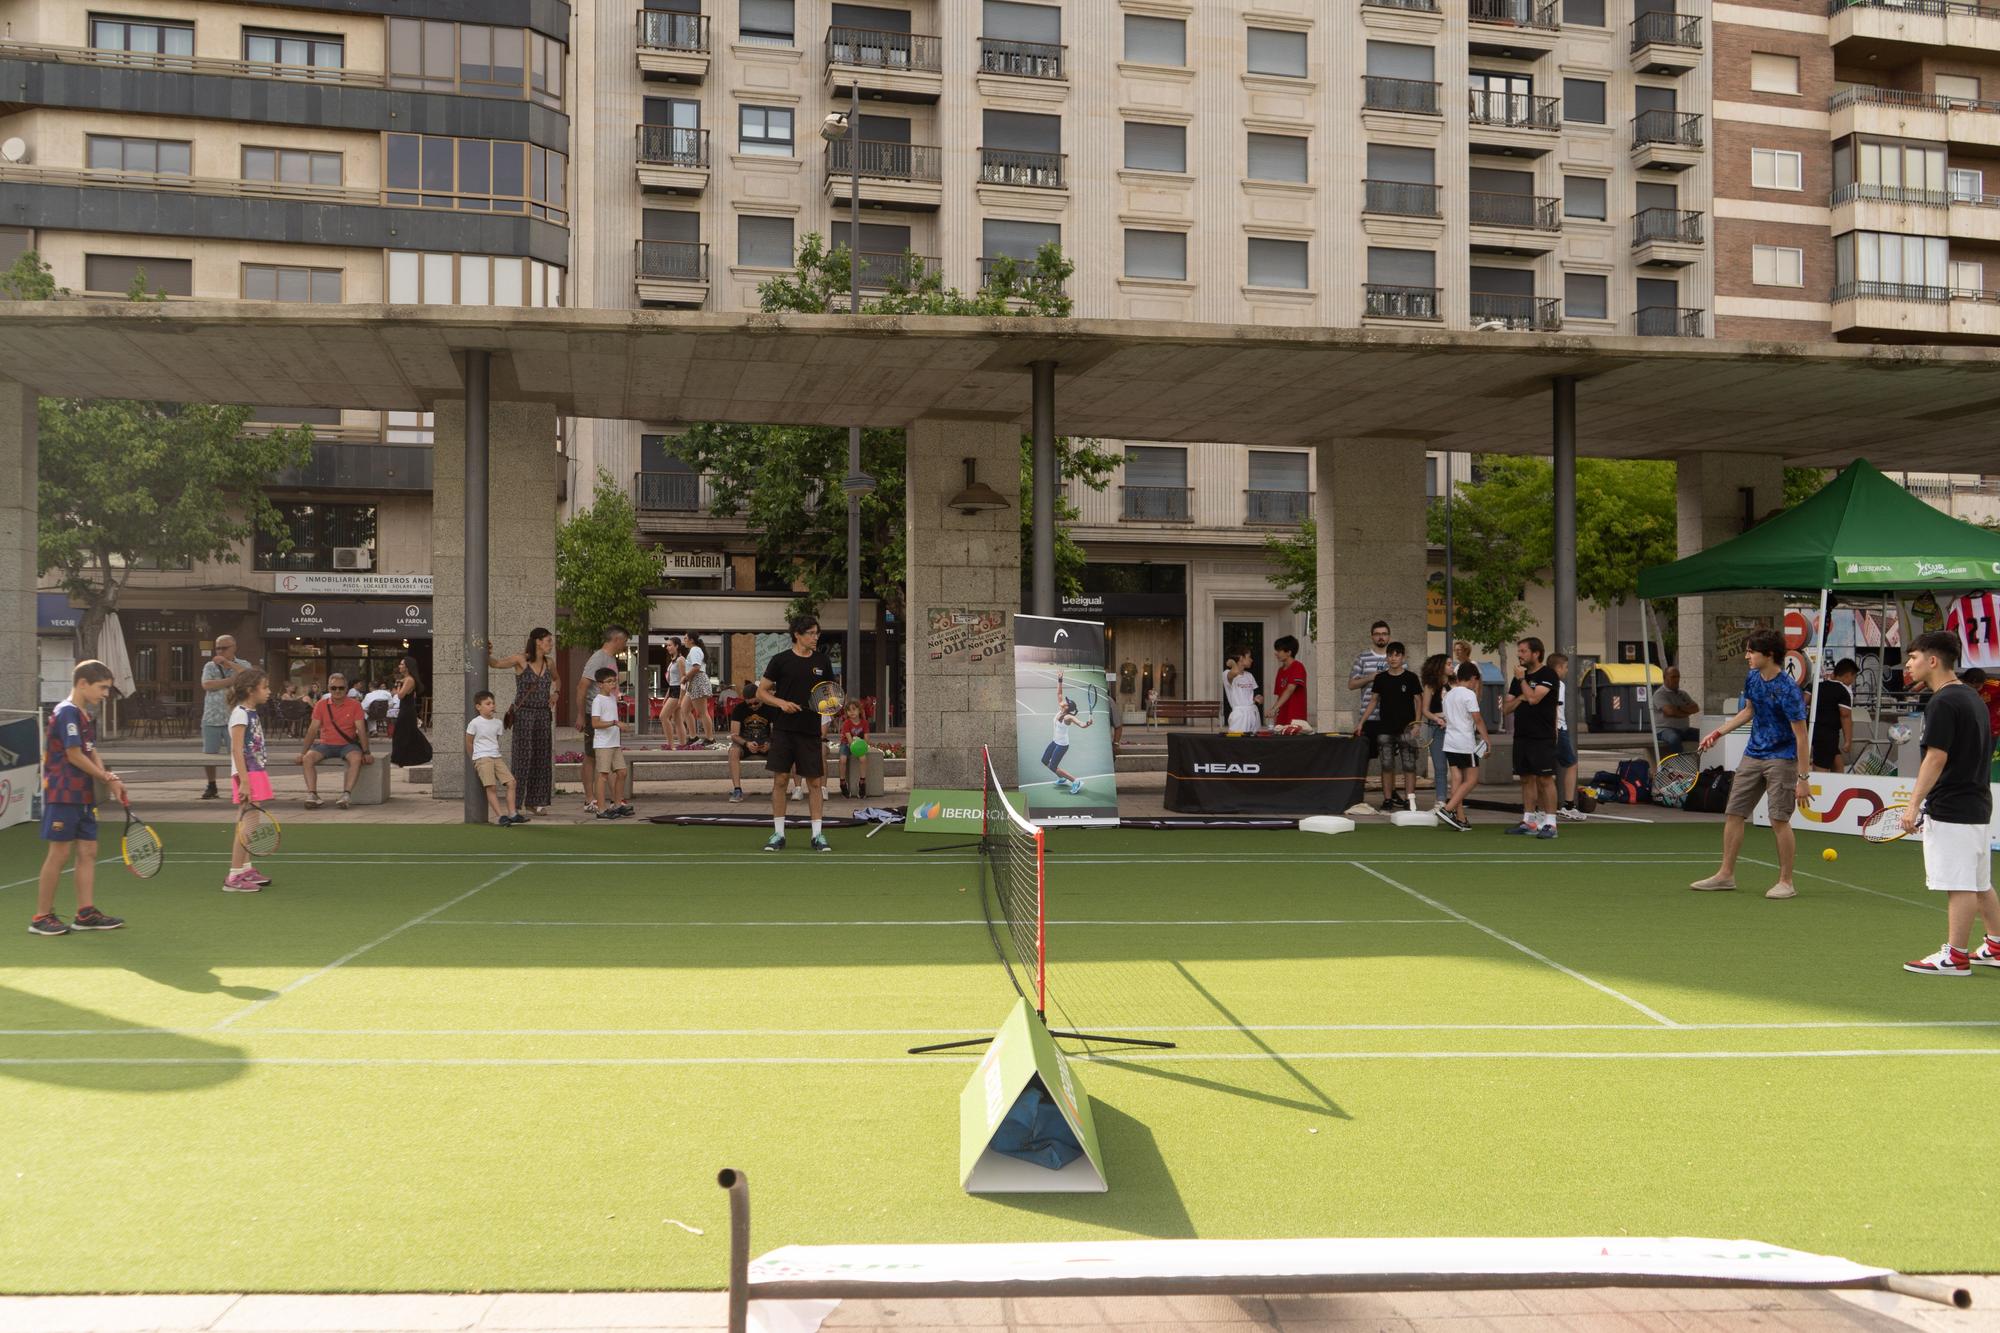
30	280
1803	483
1491	568
602	573
1087	461
1295	556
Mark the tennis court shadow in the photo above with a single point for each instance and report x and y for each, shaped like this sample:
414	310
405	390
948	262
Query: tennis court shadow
1321	1105
172	1062
1142	1198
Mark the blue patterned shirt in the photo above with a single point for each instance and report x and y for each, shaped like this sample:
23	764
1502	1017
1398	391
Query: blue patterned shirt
1774	705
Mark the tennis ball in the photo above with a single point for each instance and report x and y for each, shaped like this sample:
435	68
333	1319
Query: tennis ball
1829	855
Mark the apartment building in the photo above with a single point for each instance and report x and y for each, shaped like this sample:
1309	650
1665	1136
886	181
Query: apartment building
318	151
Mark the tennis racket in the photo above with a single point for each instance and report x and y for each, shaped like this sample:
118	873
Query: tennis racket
260	832
144	856
1887	825
1676	778
826	700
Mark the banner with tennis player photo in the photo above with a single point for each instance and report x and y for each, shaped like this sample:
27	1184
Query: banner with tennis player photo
1062	718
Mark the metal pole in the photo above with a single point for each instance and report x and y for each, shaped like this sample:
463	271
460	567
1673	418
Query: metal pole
1450	602
738	1186
854	203
1043	496
1645	665
1816	667
478	368
850	652
1565	526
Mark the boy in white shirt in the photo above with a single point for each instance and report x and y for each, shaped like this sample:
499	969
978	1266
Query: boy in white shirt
1565	743
1464	734
482	747
609	753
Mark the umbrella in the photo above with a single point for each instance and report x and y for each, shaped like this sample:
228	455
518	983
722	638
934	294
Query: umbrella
111	652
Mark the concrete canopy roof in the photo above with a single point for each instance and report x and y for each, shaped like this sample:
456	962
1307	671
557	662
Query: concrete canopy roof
1919	407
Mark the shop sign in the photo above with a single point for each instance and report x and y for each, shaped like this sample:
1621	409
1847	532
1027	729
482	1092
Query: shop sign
693	564
1104	606
315	619
378	585
53	612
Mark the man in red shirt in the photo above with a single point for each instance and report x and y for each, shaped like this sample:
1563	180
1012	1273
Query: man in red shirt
338	730
1290	683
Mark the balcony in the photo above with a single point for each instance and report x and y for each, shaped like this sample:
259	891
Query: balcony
886	66
1381	301
1513	124
1032	171
1894	310
1669	237
673	47
172	184
882	271
1666	43
1412	97
1513	29
1277	509
363	465
259	69
671	160
1405	199
903	176
1157	504
1666	140
671	273
1513	224
1516	314
1893	113
1665	321
1415	6
1935	23
1022	60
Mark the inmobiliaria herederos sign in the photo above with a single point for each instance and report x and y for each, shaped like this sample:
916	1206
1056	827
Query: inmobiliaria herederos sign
1063	718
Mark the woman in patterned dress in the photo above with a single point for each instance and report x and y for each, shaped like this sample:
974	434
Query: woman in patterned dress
535	690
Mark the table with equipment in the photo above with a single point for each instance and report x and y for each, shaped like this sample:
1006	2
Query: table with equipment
1264	775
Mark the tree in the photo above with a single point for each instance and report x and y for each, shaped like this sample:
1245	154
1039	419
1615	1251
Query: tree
602	573
1296	556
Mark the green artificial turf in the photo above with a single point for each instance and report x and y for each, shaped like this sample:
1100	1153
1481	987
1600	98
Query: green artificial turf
383	1074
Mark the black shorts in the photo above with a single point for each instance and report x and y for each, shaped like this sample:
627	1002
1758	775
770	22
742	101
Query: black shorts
796	751
1535	756
1457	760
1826	756
673	691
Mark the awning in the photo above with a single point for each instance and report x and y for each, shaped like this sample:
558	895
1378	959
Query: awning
320	619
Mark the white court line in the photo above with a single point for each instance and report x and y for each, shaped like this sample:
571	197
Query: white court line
353	954
314	860
1433	903
1858	888
970	921
33	878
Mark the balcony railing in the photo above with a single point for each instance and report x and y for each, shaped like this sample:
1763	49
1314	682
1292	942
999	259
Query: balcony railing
1522	111
1515	13
1661	29
1681	129
882	160
1891	291
153	180
1386	302
1021	60
1532	212
1421	6
873	49
665	30
1870	96
1402	198
1665	321
1938	8
1012	166
260	69
673	261
672	146
336	465
667	492
1673	225
1535	314
1418	97
1158	504
1277	508
881	270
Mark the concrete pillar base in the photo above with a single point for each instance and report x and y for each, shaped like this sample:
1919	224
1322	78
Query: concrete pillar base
1373	555
20	664
1715	492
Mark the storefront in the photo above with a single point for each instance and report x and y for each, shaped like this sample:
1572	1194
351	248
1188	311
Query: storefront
1143	608
310	638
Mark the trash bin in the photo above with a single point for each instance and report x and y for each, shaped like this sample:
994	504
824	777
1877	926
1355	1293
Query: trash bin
1617	697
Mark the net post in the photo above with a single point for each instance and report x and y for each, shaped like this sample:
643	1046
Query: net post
1041	927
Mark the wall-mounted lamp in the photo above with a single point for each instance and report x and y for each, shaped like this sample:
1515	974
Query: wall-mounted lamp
977	497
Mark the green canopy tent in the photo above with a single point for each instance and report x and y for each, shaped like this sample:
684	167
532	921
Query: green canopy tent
1861	533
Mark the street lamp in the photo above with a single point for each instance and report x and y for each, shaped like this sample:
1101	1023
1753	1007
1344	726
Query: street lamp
835	129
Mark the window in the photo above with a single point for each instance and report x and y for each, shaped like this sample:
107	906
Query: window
1583	101
1399	162
282	282
315	530
1011	21
117	273
14	242
1156	254
1777	169
767	23
293	166
1402	60
1153	41
1966	184
1401	268
763	242
492	60
1777	266
1958	87
1012	239
1155	147
1020	131
1583	13
1898	169
1155	466
1279	470
1586	296
1273	51
1968	279
440	56
545	70
162	157
1278	264
142	37
1583	197
1774	74
663	224
1906	262
294	48
765	130
450	279
1277	157
476	175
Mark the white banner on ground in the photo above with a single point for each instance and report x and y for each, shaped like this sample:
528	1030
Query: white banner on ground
1843	802
20	765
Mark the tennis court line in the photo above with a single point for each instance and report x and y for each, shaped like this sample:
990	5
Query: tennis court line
353	954
1430	902
1858	888
967	921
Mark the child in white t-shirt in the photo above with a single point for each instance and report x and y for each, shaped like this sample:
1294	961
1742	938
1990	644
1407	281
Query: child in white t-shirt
608	750
482	747
1464	741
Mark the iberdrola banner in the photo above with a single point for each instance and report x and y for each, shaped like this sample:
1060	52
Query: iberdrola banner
1063	719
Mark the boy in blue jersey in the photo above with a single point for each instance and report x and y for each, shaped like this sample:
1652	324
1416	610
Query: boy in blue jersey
69	803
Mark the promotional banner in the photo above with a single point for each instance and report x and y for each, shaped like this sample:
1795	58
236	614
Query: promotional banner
1025	1061
943	810
20	765
1843	802
1264	775
1063	717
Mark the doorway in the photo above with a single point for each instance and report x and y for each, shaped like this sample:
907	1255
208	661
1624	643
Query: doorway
1240	634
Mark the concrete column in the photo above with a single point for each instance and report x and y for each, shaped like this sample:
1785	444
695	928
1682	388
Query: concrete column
521	575
1564	431
960	562
20	665
1042	574
1373	557
1716	492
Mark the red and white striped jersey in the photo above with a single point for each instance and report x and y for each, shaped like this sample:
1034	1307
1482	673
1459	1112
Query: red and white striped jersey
1975	619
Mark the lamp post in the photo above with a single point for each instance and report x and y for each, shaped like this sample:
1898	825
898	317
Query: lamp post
856	483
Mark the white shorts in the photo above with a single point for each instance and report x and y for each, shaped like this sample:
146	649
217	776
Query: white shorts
1958	858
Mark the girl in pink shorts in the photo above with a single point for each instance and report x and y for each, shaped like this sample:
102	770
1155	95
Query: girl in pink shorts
249	780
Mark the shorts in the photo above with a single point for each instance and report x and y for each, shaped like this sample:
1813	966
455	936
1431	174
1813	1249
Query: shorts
796	750
697	686
1457	760
69	823
493	772
214	738
609	758
1398	748
1827	756
260	787
1052	756
341	751
1534	756
1958	858
673	691
1754	777
1565	749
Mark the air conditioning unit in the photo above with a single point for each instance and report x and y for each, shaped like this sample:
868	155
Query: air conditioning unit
352	557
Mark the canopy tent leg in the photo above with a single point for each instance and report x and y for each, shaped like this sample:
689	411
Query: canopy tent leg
1816	664
1646	632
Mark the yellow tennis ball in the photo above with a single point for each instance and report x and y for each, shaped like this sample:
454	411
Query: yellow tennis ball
1829	855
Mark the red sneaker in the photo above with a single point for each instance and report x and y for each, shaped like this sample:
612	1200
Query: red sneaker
1988	953
1946	962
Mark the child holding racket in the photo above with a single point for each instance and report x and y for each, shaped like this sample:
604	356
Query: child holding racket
249	780
1953	802
69	804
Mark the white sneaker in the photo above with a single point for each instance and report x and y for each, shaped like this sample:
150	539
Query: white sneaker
1782	889
1571	813
1986	955
1717	883
1946	962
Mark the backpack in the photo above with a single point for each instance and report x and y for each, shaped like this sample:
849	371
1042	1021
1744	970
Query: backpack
1635	780
1710	794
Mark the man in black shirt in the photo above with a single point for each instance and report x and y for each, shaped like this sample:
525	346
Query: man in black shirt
787	687
749	734
1532	700
1956	804
1833	719
1392	702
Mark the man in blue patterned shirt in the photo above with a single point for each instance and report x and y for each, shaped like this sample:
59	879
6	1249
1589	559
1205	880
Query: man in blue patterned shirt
69	803
1775	708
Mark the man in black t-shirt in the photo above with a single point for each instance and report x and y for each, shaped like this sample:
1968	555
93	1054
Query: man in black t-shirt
1393	705
786	688
1532	701
1833	717
1955	801
749	734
